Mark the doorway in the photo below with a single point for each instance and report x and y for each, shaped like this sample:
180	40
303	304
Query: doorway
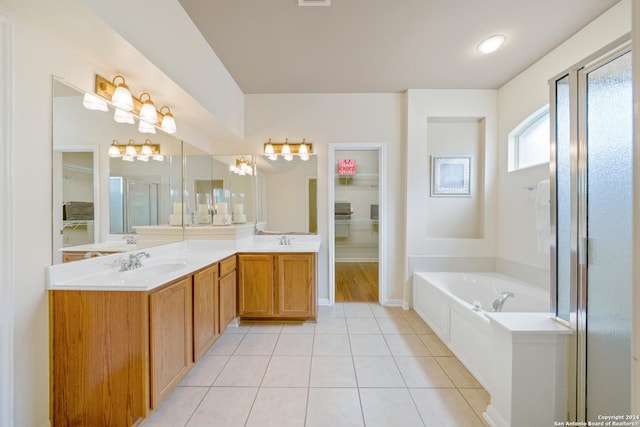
593	208
355	199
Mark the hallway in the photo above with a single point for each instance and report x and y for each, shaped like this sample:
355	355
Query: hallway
356	281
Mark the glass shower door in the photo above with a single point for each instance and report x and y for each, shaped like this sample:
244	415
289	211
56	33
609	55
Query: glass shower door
606	230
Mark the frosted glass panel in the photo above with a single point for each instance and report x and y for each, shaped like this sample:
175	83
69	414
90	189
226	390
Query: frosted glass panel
609	210
563	198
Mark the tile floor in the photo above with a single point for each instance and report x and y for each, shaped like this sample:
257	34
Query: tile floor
360	364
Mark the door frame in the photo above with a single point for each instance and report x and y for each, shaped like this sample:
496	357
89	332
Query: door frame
7	306
382	210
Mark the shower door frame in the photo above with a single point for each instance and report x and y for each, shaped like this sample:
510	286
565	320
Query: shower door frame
577	350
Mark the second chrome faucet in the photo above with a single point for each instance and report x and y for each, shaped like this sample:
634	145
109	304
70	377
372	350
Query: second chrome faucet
134	261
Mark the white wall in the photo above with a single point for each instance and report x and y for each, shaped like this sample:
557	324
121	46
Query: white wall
518	99
335	118
449	104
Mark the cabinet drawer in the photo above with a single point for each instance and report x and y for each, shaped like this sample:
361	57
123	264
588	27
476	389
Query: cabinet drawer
227	265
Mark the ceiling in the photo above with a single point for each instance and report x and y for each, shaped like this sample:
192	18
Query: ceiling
276	46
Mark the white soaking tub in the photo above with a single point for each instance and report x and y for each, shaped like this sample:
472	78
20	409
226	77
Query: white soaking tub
457	306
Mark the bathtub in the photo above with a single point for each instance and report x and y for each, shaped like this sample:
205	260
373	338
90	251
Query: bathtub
518	355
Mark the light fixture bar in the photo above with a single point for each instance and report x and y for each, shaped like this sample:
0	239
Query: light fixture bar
155	148
294	146
106	88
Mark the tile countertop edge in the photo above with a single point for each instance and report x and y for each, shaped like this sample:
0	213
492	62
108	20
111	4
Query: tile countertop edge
79	275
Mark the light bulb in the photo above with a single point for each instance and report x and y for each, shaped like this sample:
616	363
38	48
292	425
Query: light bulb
491	44
148	111
121	97
114	151
130	151
92	102
144	127
146	149
122	116
168	122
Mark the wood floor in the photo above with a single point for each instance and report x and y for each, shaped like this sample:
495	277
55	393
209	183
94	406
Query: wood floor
356	281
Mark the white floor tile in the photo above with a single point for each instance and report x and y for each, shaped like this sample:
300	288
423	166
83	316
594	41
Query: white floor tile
336	310
265	328
278	407
422	372
335	407
419	326
386	407
444	408
257	345
204	373
395	326
288	371
331	345
331	325
357	310
225	345
177	408
362	325
294	345
406	345
332	371
243	371
369	345
435	346
228	406
298	328
386	312
377	371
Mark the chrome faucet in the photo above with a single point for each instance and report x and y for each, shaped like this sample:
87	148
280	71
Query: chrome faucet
131	240
284	240
134	261
499	302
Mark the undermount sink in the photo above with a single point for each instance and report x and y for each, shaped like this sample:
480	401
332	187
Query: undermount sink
153	270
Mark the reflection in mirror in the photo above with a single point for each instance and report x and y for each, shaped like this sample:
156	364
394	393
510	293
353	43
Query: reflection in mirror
143	192
287	195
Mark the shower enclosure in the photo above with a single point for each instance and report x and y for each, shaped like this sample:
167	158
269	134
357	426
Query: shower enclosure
592	172
132	202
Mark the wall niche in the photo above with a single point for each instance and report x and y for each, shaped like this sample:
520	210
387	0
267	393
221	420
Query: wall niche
457	217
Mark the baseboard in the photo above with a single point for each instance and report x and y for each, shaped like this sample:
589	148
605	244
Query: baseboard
323	301
394	303
493	418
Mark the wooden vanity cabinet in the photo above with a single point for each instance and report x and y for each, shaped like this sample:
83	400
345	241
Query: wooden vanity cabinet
227	292
277	286
205	310
171	345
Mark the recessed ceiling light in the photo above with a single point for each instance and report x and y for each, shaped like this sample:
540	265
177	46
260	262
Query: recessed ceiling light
314	2
491	44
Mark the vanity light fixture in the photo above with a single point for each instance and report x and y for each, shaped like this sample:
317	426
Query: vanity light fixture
143	107
114	149
168	122
148	111
491	44
133	151
92	102
130	151
144	127
121	97
242	167
288	150
122	116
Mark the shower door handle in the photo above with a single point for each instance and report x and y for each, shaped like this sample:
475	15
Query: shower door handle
583	247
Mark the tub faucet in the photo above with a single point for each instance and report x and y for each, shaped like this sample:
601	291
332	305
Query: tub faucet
499	302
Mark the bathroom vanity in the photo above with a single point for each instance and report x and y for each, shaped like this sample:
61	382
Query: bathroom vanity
122	340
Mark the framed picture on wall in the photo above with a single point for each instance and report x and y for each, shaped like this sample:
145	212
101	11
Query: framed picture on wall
451	176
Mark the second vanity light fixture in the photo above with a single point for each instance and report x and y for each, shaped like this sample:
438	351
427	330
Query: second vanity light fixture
133	151
127	105
288	149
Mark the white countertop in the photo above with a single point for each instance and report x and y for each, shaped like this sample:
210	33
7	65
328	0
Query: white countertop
165	263
528	323
108	246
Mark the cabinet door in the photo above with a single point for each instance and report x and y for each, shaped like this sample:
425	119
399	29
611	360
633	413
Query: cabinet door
205	311
227	300
255	285
170	337
295	285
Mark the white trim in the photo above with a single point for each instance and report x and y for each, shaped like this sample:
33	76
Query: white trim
635	302
7	310
382	236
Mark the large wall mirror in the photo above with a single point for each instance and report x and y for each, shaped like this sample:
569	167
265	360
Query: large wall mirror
98	200
287	195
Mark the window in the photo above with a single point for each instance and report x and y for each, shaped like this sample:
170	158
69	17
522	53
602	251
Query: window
529	142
